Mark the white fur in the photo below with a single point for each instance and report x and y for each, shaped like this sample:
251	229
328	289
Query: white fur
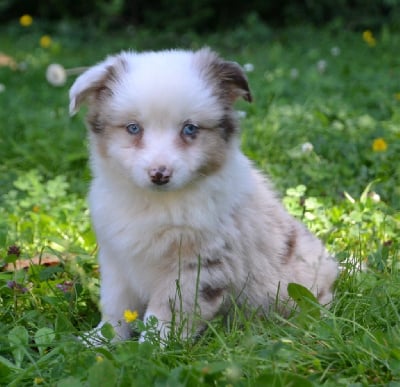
225	219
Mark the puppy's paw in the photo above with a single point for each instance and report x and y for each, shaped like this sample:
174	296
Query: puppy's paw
94	338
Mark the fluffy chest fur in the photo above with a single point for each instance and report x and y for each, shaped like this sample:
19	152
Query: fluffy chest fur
150	231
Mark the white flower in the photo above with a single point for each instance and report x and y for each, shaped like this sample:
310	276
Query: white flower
56	74
294	73
374	196
248	67
307	147
2	88
322	65
335	51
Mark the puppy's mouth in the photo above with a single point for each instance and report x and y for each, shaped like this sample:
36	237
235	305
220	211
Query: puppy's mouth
162	189
159	179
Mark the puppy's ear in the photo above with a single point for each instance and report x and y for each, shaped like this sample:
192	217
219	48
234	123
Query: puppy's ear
86	84
95	82
233	77
229	77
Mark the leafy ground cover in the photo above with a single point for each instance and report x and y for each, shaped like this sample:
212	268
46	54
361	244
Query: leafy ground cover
325	125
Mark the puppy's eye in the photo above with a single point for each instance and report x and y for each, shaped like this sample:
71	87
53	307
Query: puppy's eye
190	130
133	128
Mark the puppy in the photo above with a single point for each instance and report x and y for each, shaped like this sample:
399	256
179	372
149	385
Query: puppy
184	222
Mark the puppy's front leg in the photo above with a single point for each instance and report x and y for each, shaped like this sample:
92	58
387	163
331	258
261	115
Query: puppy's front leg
183	303
116	296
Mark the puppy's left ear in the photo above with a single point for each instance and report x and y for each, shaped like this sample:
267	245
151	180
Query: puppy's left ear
228	77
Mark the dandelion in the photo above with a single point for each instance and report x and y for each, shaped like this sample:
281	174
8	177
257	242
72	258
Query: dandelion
322	65
25	20
130	316
45	41
248	67
57	75
368	38
307	147
335	51
379	145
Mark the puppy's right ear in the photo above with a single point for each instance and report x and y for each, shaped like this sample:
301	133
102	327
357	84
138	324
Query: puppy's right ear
89	83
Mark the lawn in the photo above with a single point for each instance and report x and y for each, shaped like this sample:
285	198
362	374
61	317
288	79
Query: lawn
324	124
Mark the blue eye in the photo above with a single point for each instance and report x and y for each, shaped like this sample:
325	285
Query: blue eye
133	128
190	130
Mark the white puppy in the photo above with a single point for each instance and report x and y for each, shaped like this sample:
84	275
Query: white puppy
184	222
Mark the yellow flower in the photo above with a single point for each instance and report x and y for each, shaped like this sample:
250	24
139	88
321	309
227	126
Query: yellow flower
130	315
38	381
368	38
99	358
379	145
25	20
397	96
45	41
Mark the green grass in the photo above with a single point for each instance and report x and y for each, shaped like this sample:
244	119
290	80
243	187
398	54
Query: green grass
333	188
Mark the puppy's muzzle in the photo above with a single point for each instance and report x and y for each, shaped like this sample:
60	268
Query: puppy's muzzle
160	175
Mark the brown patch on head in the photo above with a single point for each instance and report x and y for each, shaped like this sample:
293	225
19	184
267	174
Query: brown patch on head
214	150
212	141
228	78
228	126
94	122
228	83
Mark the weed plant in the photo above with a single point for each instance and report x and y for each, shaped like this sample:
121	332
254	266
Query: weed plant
325	125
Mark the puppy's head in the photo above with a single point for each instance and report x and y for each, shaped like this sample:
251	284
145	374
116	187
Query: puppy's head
164	119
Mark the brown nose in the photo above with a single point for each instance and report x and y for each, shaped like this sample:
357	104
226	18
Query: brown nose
160	175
